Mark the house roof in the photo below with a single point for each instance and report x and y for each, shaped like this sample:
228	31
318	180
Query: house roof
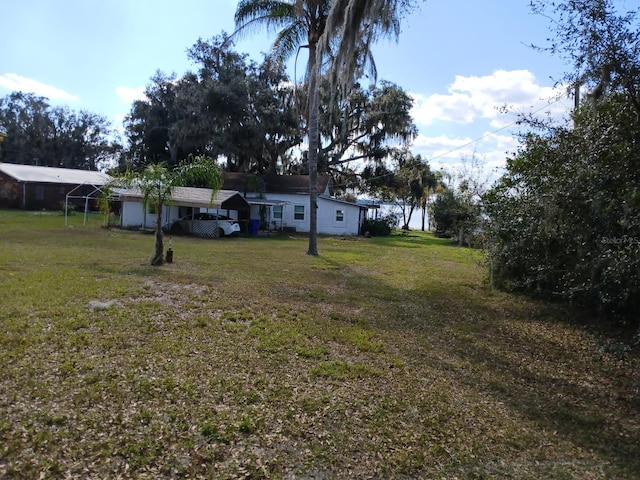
243	182
195	197
67	176
344	202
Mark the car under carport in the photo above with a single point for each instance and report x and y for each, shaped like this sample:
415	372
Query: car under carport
184	201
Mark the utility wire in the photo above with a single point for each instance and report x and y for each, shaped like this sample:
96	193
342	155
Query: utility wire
488	134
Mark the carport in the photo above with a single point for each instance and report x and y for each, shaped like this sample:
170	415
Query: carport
183	199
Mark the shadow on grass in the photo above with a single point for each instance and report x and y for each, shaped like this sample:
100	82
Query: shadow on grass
408	363
573	403
588	401
415	239
532	357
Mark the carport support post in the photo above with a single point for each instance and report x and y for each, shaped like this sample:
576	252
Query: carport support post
86	209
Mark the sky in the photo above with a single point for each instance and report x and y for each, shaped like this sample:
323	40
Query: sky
460	60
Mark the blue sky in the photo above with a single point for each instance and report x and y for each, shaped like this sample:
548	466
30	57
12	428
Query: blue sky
460	59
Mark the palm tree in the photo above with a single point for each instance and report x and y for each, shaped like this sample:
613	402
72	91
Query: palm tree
156	183
353	24
352	27
301	23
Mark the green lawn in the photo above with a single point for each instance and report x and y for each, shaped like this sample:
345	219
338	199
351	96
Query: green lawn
385	358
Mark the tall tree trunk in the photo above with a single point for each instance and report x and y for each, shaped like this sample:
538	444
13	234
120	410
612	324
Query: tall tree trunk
157	259
313	151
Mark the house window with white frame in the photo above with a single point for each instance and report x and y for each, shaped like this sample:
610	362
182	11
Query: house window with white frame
276	212
298	212
339	215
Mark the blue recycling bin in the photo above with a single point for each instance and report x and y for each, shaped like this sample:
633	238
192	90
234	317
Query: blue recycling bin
254	226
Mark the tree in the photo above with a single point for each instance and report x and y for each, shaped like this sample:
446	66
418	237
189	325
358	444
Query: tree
411	178
157	183
456	215
354	25
430	185
404	186
367	125
228	107
254	113
564	220
37	134
302	23
601	45
148	124
225	87
276	115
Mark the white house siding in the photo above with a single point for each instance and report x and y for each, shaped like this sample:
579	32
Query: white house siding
338	218
133	215
328	223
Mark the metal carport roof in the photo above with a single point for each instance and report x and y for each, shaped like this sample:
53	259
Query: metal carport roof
36	174
195	197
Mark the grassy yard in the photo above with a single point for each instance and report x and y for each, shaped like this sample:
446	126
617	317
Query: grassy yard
384	358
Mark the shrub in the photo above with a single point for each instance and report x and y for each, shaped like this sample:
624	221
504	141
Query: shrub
564	221
380	227
456	216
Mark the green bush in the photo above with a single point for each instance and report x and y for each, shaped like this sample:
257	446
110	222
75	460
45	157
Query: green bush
456	216
380	227
564	221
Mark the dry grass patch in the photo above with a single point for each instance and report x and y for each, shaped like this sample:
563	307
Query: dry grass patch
246	358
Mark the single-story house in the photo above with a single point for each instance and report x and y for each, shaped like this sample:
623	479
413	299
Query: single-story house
281	202
184	201
277	202
33	187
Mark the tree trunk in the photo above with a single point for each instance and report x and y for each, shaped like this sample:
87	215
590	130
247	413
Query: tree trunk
313	151
411	209
157	259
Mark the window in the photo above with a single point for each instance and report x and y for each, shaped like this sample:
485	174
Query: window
339	215
298	212
39	192
277	212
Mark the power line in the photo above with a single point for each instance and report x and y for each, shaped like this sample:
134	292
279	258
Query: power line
492	132
459	147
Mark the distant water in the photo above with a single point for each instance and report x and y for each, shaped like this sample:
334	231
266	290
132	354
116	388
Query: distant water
416	219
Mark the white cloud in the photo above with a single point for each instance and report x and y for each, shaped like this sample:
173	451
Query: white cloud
498	98
446	152
13	82
451	108
441	141
477	111
129	95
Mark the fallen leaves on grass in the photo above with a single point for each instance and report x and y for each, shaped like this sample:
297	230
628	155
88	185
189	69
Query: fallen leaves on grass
287	369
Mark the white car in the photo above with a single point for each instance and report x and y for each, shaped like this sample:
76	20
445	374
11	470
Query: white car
202	224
